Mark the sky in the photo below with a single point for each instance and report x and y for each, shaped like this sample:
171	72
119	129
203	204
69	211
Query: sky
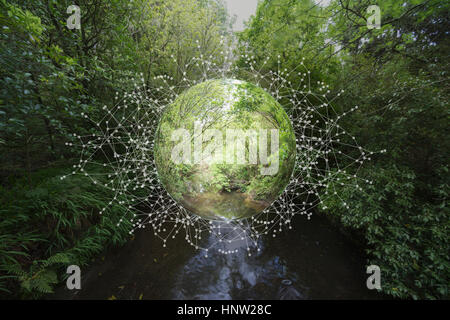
243	9
322	3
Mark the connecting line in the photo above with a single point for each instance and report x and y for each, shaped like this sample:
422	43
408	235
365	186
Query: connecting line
326	155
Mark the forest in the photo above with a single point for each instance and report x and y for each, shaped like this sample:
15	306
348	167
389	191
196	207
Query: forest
52	76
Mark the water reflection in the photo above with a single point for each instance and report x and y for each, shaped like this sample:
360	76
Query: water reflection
214	205
244	274
312	261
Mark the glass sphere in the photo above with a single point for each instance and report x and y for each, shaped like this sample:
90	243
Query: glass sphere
225	149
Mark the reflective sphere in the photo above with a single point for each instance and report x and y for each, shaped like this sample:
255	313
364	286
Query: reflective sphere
225	149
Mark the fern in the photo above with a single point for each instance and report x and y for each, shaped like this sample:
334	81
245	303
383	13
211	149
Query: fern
42	281
55	259
40	278
54	224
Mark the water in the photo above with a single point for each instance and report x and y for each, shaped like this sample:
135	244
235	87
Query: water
312	261
221	205
233	276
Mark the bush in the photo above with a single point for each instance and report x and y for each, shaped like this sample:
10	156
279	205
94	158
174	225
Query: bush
53	224
407	238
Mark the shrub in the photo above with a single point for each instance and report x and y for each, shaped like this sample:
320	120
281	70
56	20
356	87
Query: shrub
52	224
408	238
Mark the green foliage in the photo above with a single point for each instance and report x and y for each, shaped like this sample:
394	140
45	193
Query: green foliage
398	77
53	76
221	181
403	216
39	95
235	105
40	278
407	238
403	108
283	34
52	224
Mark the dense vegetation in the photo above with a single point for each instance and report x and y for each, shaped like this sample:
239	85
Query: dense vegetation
225	145
398	76
51	76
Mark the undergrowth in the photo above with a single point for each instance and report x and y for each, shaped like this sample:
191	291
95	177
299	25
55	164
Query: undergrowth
48	225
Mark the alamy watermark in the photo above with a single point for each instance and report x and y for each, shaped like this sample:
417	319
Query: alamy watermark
241	147
74	21
74	280
374	281
374	21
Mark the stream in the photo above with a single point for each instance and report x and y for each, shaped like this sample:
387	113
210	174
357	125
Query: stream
311	261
